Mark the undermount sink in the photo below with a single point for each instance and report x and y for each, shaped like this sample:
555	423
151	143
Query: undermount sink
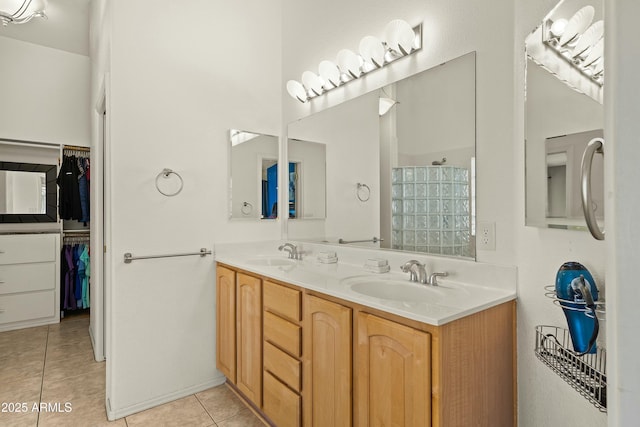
271	261
396	289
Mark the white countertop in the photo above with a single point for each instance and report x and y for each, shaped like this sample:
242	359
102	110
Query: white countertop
471	287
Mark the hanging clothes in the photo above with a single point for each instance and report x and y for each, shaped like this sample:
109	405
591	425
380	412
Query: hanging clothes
69	205
83	188
75	273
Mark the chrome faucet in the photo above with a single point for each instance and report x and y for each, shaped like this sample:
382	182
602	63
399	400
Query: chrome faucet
433	278
416	270
292	250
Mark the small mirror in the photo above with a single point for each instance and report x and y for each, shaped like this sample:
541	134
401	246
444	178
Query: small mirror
253	177
563	112
307	179
28	192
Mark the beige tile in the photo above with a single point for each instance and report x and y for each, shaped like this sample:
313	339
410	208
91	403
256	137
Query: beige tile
26	393
221	403
73	388
76	365
63	351
21	367
245	418
183	412
29	419
36	333
87	411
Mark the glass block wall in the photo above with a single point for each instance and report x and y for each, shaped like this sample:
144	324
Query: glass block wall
430	210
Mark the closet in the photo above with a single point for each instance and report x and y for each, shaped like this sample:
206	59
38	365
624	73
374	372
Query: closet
73	208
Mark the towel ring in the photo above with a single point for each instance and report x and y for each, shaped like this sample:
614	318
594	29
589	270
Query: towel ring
165	174
363	192
246	208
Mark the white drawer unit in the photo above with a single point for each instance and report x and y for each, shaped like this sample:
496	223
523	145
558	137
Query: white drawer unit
29	280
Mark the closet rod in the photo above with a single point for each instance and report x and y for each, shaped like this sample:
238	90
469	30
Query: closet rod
76	148
128	257
35	144
76	232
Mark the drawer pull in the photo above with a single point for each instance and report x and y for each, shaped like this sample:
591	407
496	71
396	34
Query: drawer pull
1	311
2	282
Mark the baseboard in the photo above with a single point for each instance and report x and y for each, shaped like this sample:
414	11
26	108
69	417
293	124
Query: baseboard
96	356
29	324
114	414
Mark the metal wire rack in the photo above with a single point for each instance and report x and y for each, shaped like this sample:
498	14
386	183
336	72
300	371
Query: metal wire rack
550	292
586	374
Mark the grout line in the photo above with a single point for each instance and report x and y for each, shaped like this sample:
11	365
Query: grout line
44	365
205	409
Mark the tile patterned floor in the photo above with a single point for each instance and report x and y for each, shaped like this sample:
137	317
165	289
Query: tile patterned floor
54	365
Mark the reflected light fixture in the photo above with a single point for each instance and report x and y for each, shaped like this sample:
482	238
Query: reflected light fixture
385	105
400	40
21	11
239	136
579	41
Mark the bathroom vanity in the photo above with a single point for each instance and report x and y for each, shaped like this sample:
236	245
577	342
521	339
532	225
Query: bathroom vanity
302	344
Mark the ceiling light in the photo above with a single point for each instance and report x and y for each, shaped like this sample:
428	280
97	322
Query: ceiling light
400	40
21	11
578	42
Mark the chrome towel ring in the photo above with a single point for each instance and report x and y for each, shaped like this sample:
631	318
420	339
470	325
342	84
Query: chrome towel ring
596	145
363	192
166	174
246	208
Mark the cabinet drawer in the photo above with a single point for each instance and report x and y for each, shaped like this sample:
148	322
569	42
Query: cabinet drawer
23	248
282	300
283	366
282	333
281	404
27	277
19	307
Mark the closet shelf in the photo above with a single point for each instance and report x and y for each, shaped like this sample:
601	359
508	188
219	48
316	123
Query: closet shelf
586	374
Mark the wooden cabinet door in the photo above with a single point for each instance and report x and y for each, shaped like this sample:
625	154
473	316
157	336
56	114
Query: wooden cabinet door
327	363
394	374
226	322
249	337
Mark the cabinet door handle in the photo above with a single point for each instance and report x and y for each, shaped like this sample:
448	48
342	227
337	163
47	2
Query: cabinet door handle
2	282
596	145
1	311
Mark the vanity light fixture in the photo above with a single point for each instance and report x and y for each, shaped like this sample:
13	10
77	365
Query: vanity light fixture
21	11
578	41
400	40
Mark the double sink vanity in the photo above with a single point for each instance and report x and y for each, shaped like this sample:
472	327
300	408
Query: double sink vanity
308	343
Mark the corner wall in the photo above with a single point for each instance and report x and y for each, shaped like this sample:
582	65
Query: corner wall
180	78
45	94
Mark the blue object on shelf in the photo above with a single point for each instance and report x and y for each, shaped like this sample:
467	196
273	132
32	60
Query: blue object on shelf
577	292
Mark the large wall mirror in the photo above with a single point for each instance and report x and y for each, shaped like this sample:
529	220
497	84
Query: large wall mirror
563	112
28	193
253	176
400	164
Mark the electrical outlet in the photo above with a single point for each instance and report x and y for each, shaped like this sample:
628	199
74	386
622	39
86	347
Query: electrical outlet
486	236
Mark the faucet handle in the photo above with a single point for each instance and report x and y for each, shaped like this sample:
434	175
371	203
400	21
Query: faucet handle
433	278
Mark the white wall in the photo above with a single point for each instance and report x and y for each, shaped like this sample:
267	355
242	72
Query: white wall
180	78
622	152
544	399
351	135
48	91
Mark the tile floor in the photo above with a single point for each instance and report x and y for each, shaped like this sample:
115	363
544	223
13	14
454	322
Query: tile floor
54	365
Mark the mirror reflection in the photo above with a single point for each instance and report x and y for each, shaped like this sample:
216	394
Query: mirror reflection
253	178
400	164
307	177
563	112
23	192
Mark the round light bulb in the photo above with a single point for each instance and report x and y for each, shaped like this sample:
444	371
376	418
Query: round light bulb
558	27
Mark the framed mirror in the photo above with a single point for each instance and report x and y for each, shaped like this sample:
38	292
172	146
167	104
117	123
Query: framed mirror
253	175
28	193
563	112
401	164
